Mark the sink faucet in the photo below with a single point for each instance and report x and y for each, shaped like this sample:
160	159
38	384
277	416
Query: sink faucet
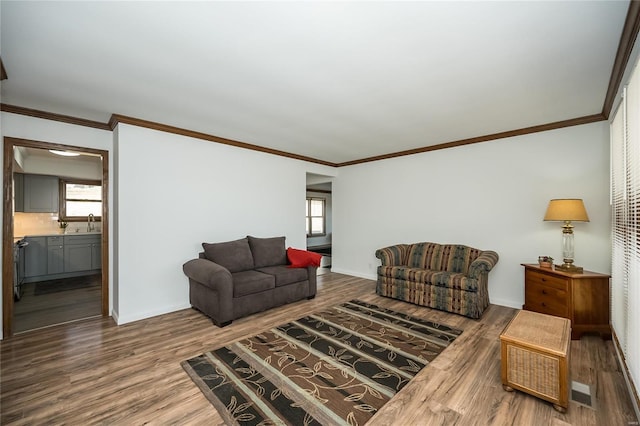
90	223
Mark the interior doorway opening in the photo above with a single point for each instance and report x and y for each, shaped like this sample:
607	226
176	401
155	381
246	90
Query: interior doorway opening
70	275
319	214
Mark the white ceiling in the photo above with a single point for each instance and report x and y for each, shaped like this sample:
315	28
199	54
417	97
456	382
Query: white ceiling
335	81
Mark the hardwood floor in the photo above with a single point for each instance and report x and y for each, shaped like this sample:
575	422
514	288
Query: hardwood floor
57	301
94	372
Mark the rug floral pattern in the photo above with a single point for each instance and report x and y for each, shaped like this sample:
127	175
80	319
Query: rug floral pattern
337	366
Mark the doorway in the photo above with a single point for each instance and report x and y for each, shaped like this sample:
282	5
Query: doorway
319	218
98	283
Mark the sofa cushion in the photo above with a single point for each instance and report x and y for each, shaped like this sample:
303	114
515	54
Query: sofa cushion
268	251
430	277
303	258
424	255
285	275
250	282
456	258
233	255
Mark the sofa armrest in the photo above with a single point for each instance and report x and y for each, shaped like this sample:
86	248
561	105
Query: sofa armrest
210	274
483	263
393	255
312	275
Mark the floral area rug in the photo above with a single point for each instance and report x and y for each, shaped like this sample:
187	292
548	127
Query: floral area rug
336	366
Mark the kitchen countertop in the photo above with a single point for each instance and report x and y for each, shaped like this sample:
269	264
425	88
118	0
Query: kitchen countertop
17	237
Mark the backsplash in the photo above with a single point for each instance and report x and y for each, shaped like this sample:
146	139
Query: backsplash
44	224
35	224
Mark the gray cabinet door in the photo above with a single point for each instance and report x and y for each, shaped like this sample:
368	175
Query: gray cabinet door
35	257
18	192
77	257
55	255
96	256
40	194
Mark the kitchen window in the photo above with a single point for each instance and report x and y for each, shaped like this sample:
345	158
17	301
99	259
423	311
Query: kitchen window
316	217
79	199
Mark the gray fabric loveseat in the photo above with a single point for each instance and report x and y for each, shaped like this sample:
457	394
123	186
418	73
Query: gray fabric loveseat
449	277
237	278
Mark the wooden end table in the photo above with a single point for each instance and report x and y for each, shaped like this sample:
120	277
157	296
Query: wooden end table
583	298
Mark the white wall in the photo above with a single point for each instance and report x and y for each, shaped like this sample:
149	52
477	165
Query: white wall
24	127
175	192
171	194
491	195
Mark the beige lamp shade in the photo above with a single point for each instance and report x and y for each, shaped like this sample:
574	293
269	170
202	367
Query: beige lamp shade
566	209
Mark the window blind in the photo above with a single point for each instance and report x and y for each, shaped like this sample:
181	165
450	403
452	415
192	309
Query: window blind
625	204
632	228
618	276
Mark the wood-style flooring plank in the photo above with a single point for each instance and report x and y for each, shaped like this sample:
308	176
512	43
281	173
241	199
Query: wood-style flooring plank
95	372
81	299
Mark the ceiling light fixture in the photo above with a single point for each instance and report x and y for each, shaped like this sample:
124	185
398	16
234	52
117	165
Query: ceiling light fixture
64	153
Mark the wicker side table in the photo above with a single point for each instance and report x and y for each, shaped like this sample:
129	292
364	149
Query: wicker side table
535	357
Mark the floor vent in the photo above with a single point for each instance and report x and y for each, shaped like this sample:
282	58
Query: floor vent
582	394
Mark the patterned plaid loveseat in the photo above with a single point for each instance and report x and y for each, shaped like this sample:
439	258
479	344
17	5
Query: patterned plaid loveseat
449	277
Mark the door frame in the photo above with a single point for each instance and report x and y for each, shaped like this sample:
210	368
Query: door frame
7	232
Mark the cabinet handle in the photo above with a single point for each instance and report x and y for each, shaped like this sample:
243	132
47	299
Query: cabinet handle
543	304
544	291
544	280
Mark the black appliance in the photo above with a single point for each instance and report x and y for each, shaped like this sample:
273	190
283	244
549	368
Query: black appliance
18	267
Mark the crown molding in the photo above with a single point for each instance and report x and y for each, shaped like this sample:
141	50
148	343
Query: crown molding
627	41
54	117
511	133
117	119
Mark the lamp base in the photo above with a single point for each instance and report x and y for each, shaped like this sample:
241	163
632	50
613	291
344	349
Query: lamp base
570	267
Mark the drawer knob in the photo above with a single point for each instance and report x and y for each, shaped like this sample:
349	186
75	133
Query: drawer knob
544	280
544	291
543	304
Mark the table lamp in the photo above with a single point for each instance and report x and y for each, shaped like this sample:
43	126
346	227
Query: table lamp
567	210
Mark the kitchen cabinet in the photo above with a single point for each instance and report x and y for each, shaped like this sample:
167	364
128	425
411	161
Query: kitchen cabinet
96	255
36	193
79	253
55	255
18	192
35	257
61	256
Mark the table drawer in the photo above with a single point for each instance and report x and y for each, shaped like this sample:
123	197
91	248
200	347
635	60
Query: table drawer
546	299
540	278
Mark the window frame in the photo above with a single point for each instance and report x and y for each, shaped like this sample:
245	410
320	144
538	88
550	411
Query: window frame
63	200
309	217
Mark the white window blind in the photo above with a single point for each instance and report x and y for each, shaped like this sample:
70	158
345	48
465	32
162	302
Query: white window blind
625	203
633	228
618	217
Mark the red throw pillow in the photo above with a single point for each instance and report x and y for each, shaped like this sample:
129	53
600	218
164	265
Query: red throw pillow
302	258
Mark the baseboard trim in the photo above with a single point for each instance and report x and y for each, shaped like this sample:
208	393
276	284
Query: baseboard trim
507	303
373	277
125	319
633	392
114	315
